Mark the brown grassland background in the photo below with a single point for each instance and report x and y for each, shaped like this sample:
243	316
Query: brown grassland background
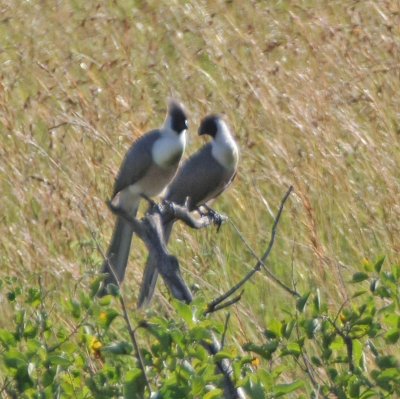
311	90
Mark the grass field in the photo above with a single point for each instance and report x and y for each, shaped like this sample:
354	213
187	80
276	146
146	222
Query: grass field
311	90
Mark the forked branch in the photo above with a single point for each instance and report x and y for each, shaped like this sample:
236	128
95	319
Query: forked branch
150	231
216	303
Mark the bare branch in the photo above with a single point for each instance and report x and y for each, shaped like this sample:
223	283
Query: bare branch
228	316
71	334
212	305
224	367
227	303
269	273
175	211
134	341
150	230
131	331
125	314
348	342
213	347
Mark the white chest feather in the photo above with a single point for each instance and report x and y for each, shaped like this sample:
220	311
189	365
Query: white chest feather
224	148
168	149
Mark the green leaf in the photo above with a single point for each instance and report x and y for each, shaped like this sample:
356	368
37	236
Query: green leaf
264	350
185	311
357	351
118	348
105	300
359	277
385	362
75	308
301	302
23	379
378	265
392	336
354	389
14	359
255	390
224	355
383	292
317	301
134	384
113	290
368	394
389	374
270	334
337	344
292	349
6	338
359	293
311	326
332	373
34	297
288	328
389	311
162	336
199	333
284	389
396	271
95	285
11	296
59	360
31	330
106	317
316	361
366	321
215	393
274	329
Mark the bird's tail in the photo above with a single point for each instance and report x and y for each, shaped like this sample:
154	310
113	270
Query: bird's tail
150	274
118	253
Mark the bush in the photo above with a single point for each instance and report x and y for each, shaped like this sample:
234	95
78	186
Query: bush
80	347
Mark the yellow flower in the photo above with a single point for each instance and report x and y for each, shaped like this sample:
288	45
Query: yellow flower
365	262
103	316
95	345
256	362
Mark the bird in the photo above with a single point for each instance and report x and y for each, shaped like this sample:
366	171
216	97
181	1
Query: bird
201	179
148	167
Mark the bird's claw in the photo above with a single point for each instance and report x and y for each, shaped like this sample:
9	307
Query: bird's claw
167	206
216	217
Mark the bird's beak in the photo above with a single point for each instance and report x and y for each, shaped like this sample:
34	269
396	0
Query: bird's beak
201	131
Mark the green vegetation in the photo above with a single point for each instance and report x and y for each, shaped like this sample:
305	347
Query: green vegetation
343	355
311	91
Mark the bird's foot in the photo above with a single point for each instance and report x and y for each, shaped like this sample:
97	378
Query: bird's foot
216	217
166	207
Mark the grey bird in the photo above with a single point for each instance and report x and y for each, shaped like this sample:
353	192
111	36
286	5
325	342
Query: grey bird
202	178
148	167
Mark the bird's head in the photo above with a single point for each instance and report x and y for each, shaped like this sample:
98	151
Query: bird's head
210	125
177	116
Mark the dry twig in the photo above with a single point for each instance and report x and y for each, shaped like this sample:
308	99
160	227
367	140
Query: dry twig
215	304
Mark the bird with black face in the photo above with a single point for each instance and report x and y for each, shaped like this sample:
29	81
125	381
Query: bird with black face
148	167
202	178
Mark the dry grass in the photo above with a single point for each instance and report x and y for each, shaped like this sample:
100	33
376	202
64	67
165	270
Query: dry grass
311	90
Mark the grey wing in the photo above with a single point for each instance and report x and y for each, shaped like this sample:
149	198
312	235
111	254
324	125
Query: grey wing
137	161
201	178
227	181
